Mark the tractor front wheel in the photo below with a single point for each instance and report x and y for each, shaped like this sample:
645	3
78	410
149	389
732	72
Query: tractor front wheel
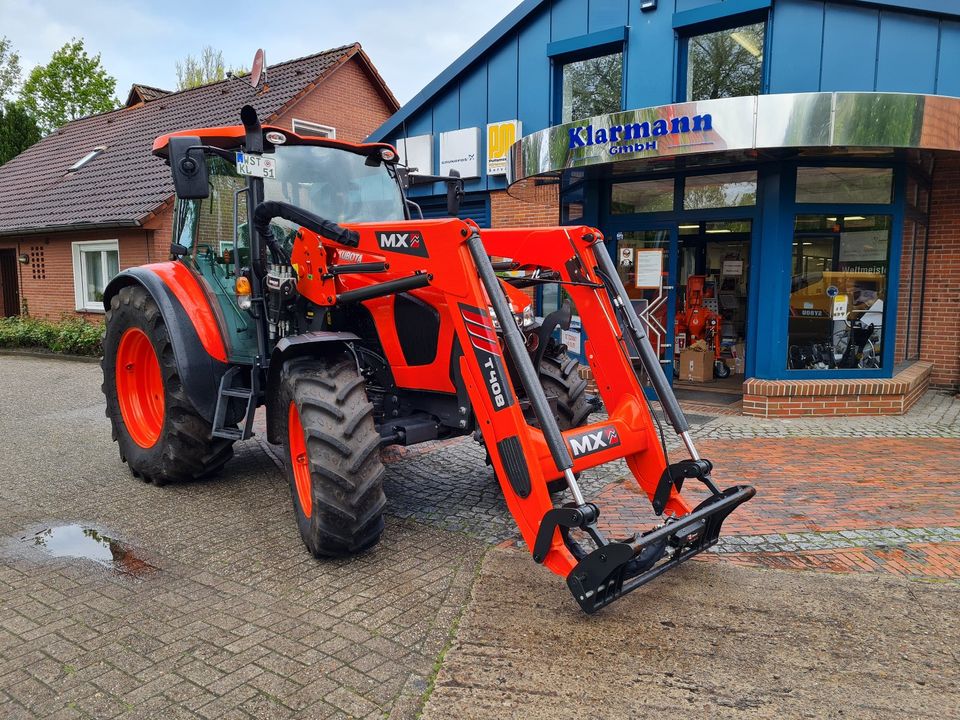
560	376
332	452
161	436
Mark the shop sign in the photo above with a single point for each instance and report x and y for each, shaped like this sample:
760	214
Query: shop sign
733	268
417	152
500	136
636	136
571	338
460	151
840	307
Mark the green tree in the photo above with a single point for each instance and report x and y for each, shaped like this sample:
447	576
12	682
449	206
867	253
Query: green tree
18	131
726	63
208	68
592	87
9	67
72	85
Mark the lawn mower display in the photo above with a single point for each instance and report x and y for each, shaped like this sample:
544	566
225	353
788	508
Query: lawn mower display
304	280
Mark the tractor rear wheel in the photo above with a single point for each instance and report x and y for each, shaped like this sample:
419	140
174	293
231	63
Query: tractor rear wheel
160	434
560	376
332	455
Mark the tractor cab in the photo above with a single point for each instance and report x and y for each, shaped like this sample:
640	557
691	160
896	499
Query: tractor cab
342	181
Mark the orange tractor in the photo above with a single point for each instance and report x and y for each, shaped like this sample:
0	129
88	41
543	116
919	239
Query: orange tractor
303	279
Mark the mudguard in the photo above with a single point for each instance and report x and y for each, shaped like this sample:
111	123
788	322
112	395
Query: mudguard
195	336
311	343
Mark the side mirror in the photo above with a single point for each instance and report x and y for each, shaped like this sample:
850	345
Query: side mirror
188	167
454	193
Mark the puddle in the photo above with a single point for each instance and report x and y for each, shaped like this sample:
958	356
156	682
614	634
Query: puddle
77	541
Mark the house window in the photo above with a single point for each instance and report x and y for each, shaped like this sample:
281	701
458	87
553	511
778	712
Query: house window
309	129
844	185
726	63
737	189
593	86
94	264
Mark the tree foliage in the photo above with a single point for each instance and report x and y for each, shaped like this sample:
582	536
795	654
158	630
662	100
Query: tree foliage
72	85
9	67
208	68
725	64
18	131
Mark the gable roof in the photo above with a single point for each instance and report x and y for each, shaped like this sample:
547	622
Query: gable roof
143	93
497	33
124	184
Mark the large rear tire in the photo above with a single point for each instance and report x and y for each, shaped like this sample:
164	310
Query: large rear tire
332	455
160	434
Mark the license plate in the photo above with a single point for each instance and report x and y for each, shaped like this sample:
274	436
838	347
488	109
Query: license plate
256	165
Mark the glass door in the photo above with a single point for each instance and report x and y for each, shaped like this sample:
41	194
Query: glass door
646	260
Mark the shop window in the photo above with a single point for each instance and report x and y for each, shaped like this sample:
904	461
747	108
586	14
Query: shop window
94	265
726	63
593	86
837	293
737	189
642	197
844	185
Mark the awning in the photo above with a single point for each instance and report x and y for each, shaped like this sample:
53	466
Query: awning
733	129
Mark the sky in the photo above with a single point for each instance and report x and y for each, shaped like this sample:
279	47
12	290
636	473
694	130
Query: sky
409	41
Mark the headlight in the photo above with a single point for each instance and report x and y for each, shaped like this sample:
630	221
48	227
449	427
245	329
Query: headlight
524	318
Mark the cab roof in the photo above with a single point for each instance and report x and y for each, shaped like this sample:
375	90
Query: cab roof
232	136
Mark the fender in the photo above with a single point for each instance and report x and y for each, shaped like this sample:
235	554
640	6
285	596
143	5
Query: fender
198	346
312	343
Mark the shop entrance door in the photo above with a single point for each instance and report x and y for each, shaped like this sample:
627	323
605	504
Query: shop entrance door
713	272
9	287
647	262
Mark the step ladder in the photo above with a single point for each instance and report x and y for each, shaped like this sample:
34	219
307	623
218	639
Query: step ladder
231	389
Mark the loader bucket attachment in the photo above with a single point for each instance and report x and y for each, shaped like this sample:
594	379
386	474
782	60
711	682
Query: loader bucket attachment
617	568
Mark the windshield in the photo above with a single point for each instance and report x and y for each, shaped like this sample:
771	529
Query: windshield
335	184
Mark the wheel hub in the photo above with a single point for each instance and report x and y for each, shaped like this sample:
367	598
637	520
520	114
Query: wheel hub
140	387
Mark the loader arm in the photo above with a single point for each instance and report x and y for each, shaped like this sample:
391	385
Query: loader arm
452	257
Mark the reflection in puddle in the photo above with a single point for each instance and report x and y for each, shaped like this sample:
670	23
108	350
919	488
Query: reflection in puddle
76	541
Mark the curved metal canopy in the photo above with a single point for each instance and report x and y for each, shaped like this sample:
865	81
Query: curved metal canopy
731	129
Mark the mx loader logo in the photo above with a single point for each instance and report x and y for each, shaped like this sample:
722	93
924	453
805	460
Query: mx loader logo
409	242
593	441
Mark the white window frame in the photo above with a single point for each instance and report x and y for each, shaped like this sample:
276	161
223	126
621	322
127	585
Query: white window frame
79	280
313	129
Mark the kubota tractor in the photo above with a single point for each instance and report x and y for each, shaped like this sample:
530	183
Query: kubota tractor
302	278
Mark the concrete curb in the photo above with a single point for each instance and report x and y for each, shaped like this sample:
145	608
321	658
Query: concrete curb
48	355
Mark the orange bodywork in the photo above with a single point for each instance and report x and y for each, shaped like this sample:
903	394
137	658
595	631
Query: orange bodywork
456	293
186	287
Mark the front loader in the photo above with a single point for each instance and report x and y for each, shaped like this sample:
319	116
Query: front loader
302	278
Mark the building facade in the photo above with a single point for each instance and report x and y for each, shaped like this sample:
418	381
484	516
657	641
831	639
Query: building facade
90	199
787	167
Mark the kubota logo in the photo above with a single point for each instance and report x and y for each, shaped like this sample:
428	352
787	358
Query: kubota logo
410	242
591	441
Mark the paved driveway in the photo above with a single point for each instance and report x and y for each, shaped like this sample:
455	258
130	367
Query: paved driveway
218	611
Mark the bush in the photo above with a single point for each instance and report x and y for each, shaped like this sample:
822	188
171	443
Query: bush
72	335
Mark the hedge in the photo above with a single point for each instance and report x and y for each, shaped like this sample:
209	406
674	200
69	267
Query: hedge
72	336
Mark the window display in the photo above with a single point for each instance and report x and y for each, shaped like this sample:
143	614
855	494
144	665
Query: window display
837	293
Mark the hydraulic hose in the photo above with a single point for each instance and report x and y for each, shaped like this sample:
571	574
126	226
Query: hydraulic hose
270	209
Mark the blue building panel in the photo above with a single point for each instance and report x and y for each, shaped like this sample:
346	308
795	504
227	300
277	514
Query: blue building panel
948	64
849	48
534	104
607	14
568	18
796	41
651	38
907	53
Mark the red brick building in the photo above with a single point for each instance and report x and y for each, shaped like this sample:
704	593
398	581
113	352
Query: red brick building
90	199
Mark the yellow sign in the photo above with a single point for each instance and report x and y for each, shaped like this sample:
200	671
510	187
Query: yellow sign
500	136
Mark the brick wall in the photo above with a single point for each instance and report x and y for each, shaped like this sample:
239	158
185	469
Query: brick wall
346	100
47	282
507	211
940	340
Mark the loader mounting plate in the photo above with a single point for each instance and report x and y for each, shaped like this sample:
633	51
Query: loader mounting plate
617	568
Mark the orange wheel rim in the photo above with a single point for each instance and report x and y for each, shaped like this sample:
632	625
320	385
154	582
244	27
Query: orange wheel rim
140	387
299	459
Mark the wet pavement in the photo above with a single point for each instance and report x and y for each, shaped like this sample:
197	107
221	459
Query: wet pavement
86	543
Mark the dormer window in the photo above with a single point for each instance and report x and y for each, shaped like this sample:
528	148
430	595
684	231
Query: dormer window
86	159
